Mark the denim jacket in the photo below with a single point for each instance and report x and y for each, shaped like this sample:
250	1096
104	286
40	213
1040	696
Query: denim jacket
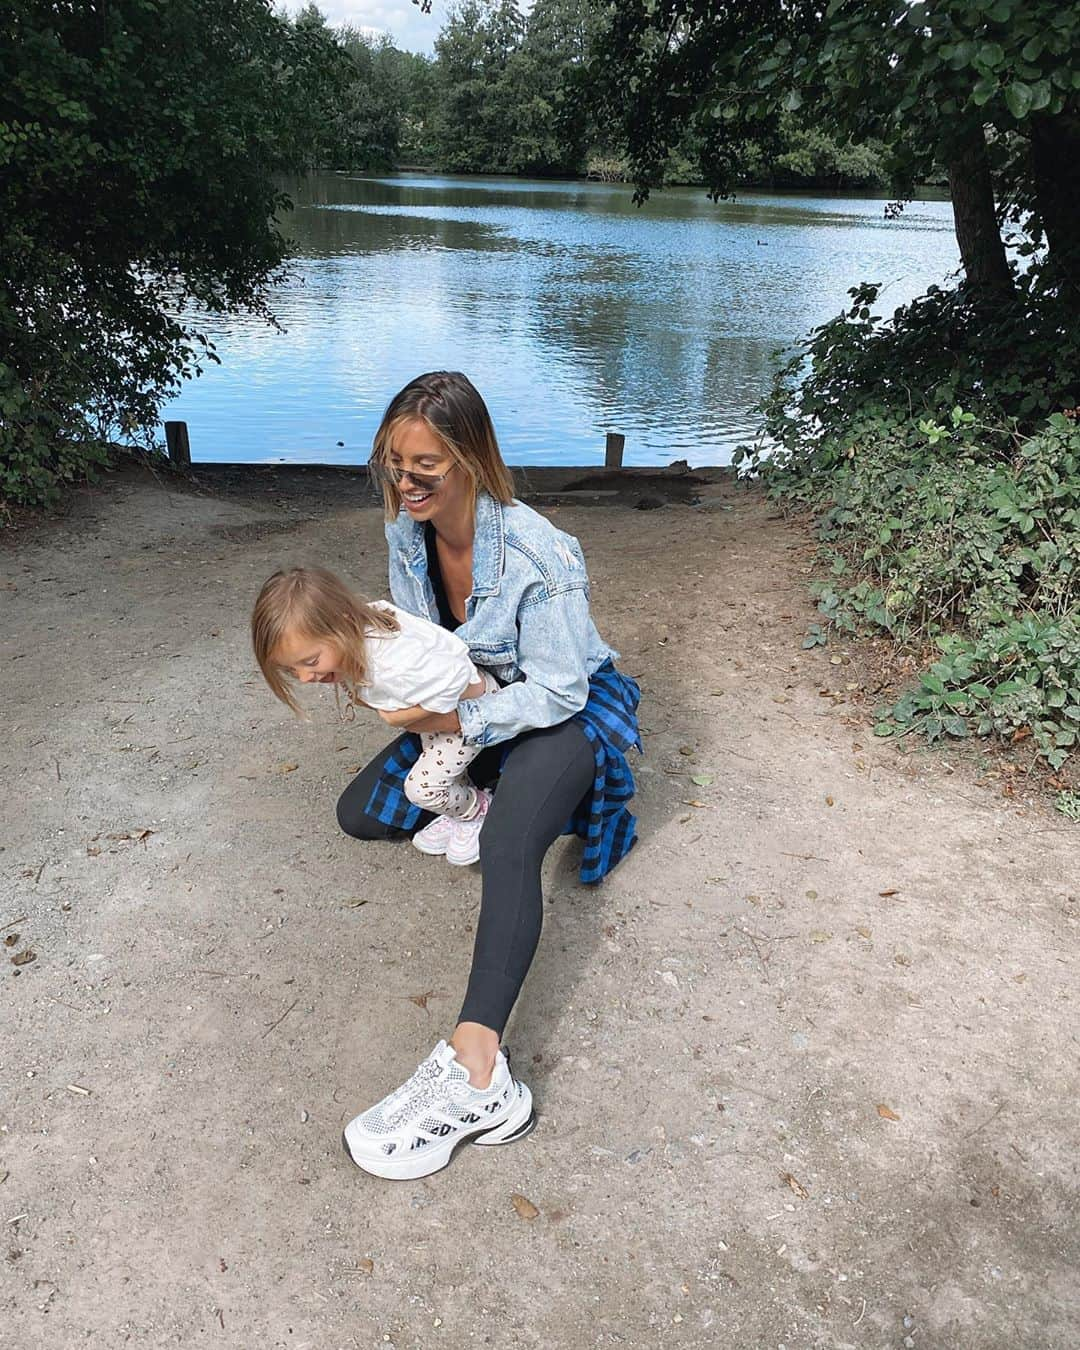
527	620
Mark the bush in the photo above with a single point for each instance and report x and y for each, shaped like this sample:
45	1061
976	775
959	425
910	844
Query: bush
953	526
137	146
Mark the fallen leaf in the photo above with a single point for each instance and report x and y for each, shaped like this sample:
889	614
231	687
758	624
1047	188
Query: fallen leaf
796	1185
702	779
286	768
365	1265
828	801
811	895
1019	979
884	1112
902	959
93	852
24	957
885	894
421	1000
819	935
686	749
525	1208
691	801
684	819
354	903
144	835
221	1264
11	939
863	933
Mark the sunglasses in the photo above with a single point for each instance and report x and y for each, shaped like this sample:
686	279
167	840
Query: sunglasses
390	473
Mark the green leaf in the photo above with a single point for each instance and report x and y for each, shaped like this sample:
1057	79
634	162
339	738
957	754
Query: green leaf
1019	98
793	101
933	683
1041	93
702	779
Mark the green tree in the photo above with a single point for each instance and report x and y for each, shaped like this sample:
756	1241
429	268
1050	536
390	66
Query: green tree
948	81
138	142
477	95
552	125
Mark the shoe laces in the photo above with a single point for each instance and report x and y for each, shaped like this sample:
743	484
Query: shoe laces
435	1078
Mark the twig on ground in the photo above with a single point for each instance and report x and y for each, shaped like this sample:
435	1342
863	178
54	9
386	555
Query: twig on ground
806	857
12	922
757	953
1000	1108
282	1018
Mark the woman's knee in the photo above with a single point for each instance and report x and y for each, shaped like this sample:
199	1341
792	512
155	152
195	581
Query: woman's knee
356	822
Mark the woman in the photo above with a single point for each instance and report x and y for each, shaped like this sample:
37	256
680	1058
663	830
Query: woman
554	734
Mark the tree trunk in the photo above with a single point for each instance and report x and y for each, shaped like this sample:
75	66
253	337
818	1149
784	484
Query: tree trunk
1055	152
981	248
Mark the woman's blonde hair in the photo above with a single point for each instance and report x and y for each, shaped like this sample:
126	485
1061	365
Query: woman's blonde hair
450	406
316	604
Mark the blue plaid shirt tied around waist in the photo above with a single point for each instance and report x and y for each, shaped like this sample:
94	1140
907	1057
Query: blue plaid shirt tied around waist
609	720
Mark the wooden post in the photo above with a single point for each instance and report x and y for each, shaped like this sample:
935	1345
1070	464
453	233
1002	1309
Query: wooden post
613	450
176	439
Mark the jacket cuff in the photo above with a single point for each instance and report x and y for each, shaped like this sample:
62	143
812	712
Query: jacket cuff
473	726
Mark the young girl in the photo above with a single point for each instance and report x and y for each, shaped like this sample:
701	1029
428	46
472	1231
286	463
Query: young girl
308	624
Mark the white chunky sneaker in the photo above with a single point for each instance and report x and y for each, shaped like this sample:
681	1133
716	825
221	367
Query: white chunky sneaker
463	847
414	1131
434	837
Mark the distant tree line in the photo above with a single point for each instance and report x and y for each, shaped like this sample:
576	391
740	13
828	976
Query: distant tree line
514	94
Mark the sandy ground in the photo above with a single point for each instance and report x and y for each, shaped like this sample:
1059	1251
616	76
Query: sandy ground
806	1062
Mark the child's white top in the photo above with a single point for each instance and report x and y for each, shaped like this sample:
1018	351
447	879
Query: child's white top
422	665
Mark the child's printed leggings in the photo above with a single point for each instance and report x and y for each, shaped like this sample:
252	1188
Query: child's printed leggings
438	780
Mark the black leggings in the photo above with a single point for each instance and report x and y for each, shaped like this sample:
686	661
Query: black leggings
546	775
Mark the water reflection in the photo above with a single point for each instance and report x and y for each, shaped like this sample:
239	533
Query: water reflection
573	310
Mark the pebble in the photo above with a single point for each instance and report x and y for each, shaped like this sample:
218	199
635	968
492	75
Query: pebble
304	1117
909	1342
909	1321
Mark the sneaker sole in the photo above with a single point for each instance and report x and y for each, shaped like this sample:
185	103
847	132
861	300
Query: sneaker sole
463	862
411	1167
432	852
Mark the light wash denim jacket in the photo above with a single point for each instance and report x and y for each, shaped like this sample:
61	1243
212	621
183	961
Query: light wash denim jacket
527	620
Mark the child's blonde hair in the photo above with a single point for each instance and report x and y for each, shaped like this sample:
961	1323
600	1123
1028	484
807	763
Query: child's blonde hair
316	604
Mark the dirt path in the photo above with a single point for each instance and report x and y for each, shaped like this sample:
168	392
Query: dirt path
806	1062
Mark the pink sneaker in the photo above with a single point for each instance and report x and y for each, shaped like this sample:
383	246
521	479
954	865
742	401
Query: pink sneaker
464	845
434	837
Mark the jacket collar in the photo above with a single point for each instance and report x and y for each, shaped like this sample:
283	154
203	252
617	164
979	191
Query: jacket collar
489	546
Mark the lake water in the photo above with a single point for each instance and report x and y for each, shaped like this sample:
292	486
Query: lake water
573	311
